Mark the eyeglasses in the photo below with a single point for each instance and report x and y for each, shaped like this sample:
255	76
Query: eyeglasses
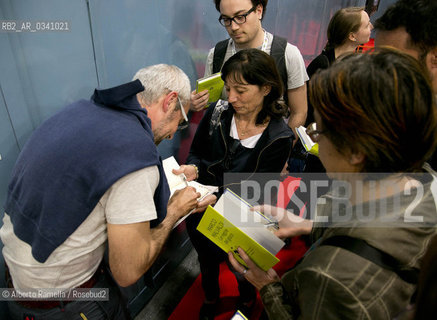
184	123
312	131
238	19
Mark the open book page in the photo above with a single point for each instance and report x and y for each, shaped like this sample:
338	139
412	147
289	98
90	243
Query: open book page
230	224
176	182
306	141
253	223
204	190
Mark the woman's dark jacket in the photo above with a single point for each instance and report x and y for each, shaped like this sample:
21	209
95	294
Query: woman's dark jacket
211	146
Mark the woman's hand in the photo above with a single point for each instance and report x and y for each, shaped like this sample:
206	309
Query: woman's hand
208	200
199	100
256	276
189	171
290	225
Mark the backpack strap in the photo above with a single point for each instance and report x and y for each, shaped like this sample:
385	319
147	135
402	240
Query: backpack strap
219	55
277	52
378	257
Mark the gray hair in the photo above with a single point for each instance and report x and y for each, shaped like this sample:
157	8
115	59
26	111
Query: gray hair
160	79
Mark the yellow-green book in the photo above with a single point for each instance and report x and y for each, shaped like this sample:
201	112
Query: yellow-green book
231	224
213	83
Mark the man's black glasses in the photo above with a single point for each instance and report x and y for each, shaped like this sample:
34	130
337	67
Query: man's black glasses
238	19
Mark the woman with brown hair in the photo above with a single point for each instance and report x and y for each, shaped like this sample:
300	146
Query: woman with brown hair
347	29
376	124
246	134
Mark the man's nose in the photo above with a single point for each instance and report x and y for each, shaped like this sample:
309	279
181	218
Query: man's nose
234	25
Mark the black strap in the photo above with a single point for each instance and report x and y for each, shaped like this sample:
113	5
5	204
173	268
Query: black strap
219	55
378	257
277	52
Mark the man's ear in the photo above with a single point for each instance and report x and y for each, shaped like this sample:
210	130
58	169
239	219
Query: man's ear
259	11
169	99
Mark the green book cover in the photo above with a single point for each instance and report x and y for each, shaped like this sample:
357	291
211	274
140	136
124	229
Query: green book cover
213	83
247	235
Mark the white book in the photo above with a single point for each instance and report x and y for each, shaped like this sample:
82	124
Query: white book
309	145
177	182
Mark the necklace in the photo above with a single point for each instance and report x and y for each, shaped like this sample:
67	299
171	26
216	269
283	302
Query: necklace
242	132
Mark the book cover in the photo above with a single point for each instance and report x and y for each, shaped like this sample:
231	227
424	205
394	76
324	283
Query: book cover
306	141
231	224
213	83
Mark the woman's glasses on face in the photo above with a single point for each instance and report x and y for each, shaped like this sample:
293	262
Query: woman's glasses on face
313	133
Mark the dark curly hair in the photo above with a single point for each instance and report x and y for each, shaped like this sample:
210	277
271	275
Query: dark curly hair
253	66
254	3
418	17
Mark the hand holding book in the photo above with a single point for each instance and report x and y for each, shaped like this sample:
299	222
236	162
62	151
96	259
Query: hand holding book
189	172
179	177
199	100
309	145
213	83
290	225
231	224
255	275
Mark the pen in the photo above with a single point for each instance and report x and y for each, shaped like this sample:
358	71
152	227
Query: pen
272	224
185	179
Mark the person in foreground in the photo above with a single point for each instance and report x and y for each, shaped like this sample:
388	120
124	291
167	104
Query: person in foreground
88	177
246	134
376	126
